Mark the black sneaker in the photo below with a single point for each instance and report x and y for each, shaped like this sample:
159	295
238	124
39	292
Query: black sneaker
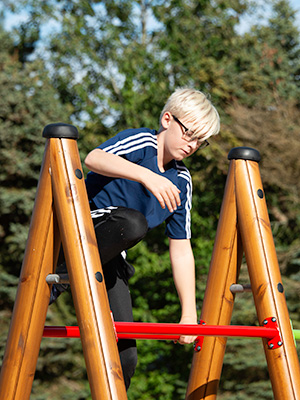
56	291
58	288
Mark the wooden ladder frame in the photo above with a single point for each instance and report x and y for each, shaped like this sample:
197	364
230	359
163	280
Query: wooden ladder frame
244	226
61	214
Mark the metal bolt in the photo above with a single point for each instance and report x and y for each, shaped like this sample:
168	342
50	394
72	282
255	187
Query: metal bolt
265	322
99	276
260	194
273	319
78	174
271	346
198	348
279	343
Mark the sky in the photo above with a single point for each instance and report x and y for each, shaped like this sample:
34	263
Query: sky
247	21
14	20
296	6
295	3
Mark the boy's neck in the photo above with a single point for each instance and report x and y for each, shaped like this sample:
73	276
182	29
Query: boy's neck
163	159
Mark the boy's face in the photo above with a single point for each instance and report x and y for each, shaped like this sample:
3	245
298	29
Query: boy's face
177	141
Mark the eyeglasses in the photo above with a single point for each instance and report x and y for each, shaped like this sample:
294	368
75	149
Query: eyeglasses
188	135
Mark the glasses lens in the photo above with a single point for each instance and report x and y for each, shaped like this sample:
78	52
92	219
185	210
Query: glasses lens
188	135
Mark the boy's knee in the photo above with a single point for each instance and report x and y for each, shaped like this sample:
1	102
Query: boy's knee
136	225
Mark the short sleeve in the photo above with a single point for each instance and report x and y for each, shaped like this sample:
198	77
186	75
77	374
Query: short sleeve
178	225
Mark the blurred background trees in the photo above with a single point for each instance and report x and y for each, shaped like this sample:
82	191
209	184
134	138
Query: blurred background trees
108	65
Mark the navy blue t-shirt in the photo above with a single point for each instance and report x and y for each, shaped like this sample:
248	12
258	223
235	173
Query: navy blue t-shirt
140	147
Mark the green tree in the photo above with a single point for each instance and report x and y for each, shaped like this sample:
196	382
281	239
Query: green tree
197	41
28	102
267	63
112	70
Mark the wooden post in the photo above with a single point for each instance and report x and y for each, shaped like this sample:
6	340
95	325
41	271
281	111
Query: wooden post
30	309
265	277
62	194
218	300
244	213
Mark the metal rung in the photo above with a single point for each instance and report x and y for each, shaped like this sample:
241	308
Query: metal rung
237	288
57	278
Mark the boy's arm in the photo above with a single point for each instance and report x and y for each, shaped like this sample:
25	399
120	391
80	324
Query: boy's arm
183	267
114	166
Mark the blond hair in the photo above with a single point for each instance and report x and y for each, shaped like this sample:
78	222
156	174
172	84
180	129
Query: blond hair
194	106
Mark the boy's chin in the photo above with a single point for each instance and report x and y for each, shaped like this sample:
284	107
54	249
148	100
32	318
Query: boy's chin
179	158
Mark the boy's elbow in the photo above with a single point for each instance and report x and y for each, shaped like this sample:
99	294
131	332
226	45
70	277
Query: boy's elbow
87	161
91	158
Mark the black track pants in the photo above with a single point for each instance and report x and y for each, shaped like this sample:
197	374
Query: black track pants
117	229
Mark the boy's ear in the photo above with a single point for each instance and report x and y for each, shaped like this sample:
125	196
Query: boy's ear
166	119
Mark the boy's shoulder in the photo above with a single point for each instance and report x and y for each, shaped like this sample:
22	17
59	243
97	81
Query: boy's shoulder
183	171
137	131
135	144
134	138
180	165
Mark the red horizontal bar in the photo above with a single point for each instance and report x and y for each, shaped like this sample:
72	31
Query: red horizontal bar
196	330
148	336
61	331
73	332
169	331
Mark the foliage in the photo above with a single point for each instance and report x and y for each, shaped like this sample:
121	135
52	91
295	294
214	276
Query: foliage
27	102
279	167
268	61
105	67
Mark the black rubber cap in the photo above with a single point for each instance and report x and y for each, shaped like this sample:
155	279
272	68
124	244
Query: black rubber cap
60	130
244	153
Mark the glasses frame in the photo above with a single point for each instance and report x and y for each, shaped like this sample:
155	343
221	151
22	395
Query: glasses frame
186	136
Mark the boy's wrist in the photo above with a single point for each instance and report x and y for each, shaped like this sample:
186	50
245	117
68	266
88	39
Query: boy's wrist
142	174
189	319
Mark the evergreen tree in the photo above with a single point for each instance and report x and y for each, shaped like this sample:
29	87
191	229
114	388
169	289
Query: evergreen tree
267	63
28	102
111	70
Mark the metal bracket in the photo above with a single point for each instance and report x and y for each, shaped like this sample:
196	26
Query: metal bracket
57	278
276	341
199	341
238	288
114	326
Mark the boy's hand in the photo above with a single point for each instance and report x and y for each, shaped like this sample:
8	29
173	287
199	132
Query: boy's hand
164	190
187	339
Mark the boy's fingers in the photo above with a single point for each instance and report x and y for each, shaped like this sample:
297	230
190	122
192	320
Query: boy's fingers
168	196
161	200
168	200
187	339
173	199
176	196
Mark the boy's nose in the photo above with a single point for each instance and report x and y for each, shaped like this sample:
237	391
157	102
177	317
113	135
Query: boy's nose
193	144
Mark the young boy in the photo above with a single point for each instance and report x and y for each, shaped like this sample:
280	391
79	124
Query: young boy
137	181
